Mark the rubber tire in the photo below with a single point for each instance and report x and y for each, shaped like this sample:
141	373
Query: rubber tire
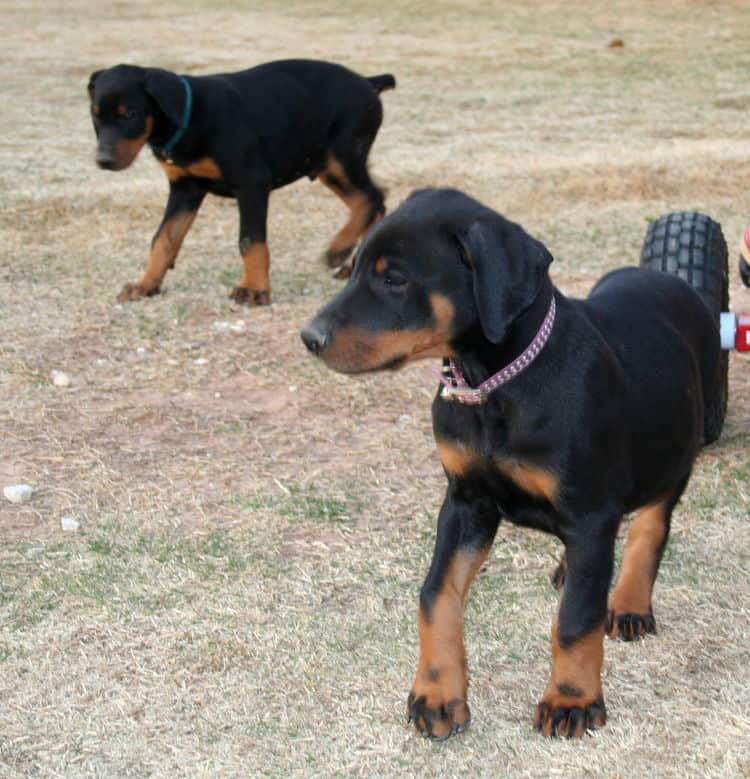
691	245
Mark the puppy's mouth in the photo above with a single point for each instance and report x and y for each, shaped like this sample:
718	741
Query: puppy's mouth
119	153
393	364
356	351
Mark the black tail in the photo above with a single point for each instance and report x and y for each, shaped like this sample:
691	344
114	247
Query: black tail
381	83
745	271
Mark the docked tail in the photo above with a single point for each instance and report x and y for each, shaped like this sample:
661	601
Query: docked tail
745	258
381	83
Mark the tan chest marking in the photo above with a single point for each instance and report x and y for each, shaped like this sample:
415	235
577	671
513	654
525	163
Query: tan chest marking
531	479
204	169
456	458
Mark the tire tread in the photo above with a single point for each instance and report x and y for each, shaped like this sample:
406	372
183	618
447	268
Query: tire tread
691	245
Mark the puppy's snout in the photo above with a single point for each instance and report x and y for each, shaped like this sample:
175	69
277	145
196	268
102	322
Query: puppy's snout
105	158
315	336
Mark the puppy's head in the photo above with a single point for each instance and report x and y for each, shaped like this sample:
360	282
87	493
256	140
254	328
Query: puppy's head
439	272
127	104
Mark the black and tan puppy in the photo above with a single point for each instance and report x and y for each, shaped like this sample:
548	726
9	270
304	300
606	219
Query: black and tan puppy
587	410
242	135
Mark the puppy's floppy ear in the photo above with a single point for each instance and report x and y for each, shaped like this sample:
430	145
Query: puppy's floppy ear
509	267
92	78
168	92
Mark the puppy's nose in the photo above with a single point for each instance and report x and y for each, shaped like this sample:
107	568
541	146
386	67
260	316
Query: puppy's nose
105	159
315	337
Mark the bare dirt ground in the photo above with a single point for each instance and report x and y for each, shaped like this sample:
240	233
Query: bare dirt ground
240	598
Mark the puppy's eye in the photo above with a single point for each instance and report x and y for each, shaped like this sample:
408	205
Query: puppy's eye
131	113
394	279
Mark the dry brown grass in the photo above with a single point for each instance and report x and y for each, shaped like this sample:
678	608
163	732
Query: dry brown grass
240	598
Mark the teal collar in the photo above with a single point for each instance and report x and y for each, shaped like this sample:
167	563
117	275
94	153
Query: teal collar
166	150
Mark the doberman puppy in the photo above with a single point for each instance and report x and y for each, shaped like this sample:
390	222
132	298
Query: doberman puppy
242	135
558	414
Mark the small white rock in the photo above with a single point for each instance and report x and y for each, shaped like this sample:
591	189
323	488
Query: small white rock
18	493
60	378
141	350
200	361
236	327
69	525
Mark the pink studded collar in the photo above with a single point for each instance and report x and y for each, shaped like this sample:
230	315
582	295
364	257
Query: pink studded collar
456	388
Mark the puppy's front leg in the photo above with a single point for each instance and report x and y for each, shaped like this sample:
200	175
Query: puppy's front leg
255	288
437	703
185	198
573	701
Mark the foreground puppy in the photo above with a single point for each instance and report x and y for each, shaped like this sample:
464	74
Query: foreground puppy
242	135
561	415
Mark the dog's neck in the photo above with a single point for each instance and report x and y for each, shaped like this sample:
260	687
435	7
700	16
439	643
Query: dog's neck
478	358
163	130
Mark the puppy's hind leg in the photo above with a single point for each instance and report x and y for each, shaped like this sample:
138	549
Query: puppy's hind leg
557	577
346	174
630	615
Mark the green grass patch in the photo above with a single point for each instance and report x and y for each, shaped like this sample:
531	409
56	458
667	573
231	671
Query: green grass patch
229	428
305	502
112	569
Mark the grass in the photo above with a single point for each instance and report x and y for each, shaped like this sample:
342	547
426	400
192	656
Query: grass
240	598
298	502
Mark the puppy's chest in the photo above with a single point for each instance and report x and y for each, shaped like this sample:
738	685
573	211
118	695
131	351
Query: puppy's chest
491	456
206	169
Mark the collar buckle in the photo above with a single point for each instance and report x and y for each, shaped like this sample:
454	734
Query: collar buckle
453	393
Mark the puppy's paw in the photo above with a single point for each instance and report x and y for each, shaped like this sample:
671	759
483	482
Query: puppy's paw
628	626
565	717
344	271
136	291
436	718
333	258
251	297
437	702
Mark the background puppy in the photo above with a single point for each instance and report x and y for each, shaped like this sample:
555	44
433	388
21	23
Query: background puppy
586	410
242	135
